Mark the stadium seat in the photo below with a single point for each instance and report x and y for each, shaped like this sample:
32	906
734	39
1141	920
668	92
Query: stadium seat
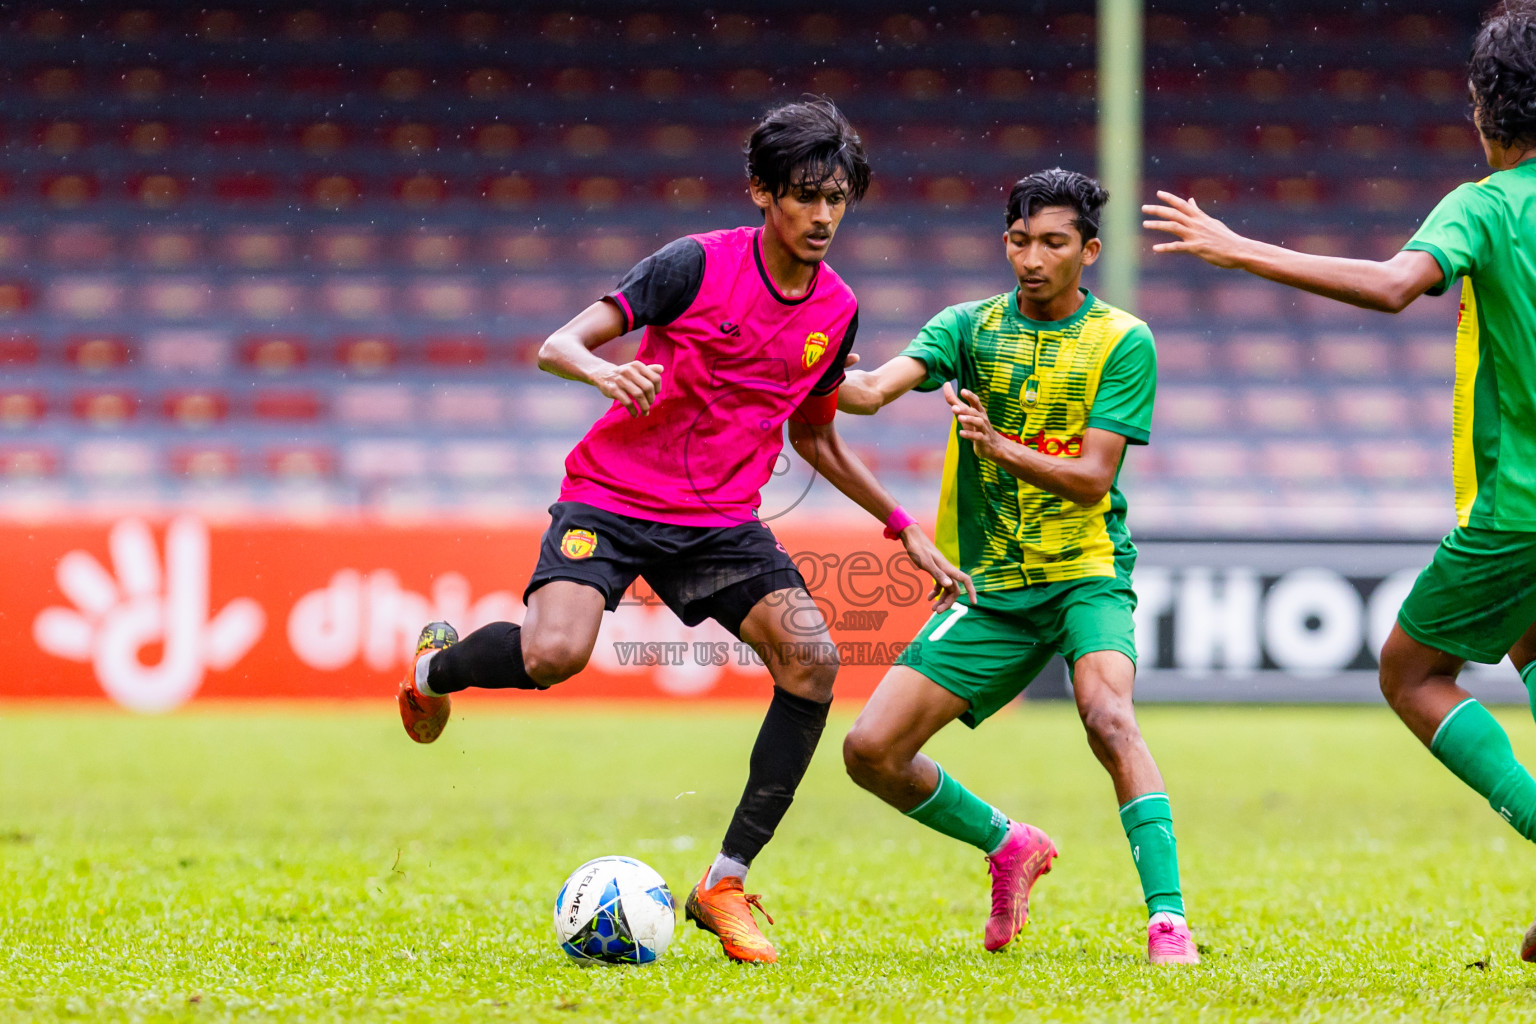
1398	461
367	354
1182	355
274	354
300	461
98	353
1207	460
1262	356
1352	356
479	461
20	409
456	351
465	405
1372	409
374	405
115	459
287	405
210	462
1196	410
1301	461
195	409
1280	410
385	459
27	462
258	248
18	350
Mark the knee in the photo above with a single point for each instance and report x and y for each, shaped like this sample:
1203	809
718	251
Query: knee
812	677
1111	725
866	757
552	659
1398	675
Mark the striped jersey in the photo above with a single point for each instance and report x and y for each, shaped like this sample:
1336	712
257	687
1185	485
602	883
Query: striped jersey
1044	383
1483	234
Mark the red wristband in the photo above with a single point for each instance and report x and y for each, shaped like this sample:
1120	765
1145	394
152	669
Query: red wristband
897	521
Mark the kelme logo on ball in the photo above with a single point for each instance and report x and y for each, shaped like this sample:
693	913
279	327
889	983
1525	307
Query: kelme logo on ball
815	345
578	543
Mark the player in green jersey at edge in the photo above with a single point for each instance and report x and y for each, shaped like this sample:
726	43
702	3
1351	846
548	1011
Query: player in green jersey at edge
1476	601
1054	384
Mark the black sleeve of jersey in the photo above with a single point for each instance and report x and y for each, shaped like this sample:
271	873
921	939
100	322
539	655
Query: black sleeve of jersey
661	287
834	372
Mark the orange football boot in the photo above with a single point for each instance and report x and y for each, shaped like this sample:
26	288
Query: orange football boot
425	716
726	911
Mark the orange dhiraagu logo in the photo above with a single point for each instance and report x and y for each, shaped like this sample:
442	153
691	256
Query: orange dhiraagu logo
815	345
578	543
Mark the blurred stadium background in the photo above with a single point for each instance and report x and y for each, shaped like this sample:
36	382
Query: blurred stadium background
292	263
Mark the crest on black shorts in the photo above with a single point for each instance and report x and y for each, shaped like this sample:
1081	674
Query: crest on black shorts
578	543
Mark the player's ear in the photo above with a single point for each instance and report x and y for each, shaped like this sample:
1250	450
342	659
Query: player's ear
762	197
1091	249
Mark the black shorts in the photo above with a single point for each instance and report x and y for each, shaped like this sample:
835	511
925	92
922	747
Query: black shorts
700	572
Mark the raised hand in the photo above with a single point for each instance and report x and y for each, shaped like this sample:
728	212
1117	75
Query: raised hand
975	425
635	385
1196	231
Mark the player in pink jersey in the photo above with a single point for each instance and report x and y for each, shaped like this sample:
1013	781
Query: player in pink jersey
746	330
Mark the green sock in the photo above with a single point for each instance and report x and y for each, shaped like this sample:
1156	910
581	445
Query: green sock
1473	746
1528	676
1148	824
960	814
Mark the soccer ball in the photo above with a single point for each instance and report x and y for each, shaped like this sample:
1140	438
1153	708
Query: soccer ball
614	910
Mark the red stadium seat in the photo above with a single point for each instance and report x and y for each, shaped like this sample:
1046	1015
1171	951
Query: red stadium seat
412	138
195	408
466	405
1279	410
1372	409
213	462
1193	409
149	138
1398	460
357	298
229	81
275	354
313	81
333	191
106	408
287	405
79	244
402	84
98	353
496	139
300	461
18	350
435	250
70	191
508	191
1353	356
15	298
19	409
323	138
258	248
450	298
28	462
245	132
457	351
167	249
1301	461
141	85
1262	355
422	190
61	138
1207	459
480	461
250	187
348	249
367	353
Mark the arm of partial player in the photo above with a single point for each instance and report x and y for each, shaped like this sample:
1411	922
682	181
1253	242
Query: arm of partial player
1082	480
824	448
568	353
864	393
1387	286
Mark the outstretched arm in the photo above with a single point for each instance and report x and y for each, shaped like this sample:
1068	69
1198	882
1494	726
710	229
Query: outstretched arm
863	393
1387	285
568	353
829	455
1082	480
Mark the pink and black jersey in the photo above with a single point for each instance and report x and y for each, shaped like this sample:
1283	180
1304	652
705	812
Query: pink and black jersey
739	359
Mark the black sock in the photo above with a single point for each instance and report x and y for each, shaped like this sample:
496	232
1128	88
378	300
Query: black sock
491	658
780	757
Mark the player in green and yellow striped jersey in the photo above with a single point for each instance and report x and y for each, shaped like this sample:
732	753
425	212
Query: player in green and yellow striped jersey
1054	384
1476	601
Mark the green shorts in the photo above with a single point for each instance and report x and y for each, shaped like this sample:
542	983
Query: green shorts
1477	596
989	652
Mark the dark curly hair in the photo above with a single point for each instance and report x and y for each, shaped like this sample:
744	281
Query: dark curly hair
804	146
1502	74
1057	187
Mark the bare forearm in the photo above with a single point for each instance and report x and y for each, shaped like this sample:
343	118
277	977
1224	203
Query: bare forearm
1364	283
1075	480
565	355
843	469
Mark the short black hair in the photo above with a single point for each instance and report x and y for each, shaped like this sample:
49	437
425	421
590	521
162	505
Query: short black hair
805	145
1057	187
1502	74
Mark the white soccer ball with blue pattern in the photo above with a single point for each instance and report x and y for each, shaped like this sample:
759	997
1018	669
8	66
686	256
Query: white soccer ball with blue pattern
614	910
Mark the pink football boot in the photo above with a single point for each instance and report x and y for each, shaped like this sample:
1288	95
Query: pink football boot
1024	856
1169	941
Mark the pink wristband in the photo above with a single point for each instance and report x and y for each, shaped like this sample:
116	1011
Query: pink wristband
897	521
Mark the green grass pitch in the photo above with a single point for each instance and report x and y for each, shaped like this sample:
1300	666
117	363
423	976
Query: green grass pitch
316	865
